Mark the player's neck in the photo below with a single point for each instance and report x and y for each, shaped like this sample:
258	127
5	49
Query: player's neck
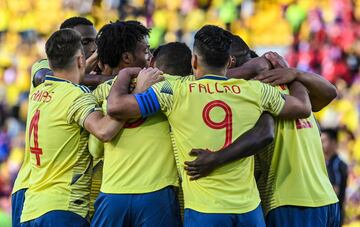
203	72
116	70
70	75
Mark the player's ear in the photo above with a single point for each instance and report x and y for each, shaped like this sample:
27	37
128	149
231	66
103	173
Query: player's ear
232	62
127	58
152	62
106	70
80	60
194	61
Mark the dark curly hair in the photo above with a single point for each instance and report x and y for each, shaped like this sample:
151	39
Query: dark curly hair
119	37
213	44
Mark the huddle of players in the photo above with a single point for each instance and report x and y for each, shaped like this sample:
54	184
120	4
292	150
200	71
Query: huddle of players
145	151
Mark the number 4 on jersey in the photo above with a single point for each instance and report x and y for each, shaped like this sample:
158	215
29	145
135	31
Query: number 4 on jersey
36	150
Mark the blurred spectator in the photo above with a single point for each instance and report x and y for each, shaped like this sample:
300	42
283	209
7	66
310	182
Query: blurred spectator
336	168
296	15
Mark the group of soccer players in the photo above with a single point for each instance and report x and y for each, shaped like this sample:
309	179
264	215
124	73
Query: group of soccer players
178	137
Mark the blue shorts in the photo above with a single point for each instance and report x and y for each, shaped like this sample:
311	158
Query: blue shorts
58	218
17	204
325	216
254	218
159	208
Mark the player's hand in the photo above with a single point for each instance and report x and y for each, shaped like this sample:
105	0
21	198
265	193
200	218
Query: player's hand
202	166
277	76
276	60
258	65
91	63
146	78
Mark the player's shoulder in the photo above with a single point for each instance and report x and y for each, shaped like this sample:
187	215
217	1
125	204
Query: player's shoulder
172	83
236	80
283	88
69	87
169	80
255	84
105	85
165	86
179	78
245	84
78	94
82	88
102	90
42	63
39	70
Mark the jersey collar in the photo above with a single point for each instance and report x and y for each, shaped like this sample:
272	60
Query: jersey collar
54	78
213	77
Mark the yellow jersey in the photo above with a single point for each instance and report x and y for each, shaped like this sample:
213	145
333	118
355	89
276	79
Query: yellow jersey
22	179
292	169
61	165
211	113
140	158
41	68
96	149
95	180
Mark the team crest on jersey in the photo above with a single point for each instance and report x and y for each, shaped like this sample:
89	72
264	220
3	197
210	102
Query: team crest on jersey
166	88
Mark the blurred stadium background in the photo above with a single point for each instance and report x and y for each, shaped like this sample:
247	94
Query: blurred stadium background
322	36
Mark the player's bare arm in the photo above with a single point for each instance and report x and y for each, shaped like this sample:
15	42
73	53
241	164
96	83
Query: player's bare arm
321	91
250	69
119	101
103	127
256	66
122	105
250	143
297	104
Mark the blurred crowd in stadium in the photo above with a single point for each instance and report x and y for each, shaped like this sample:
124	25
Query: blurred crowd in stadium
321	36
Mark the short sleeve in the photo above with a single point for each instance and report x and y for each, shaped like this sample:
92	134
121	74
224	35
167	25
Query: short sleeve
102	91
165	95
81	107
181	78
160	96
171	77
272	100
96	147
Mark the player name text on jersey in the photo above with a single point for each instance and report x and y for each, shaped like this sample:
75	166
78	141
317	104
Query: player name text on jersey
211	88
41	96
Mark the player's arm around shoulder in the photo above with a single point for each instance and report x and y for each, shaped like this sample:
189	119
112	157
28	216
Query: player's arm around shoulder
103	127
297	104
321	91
249	143
86	112
294	106
122	105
